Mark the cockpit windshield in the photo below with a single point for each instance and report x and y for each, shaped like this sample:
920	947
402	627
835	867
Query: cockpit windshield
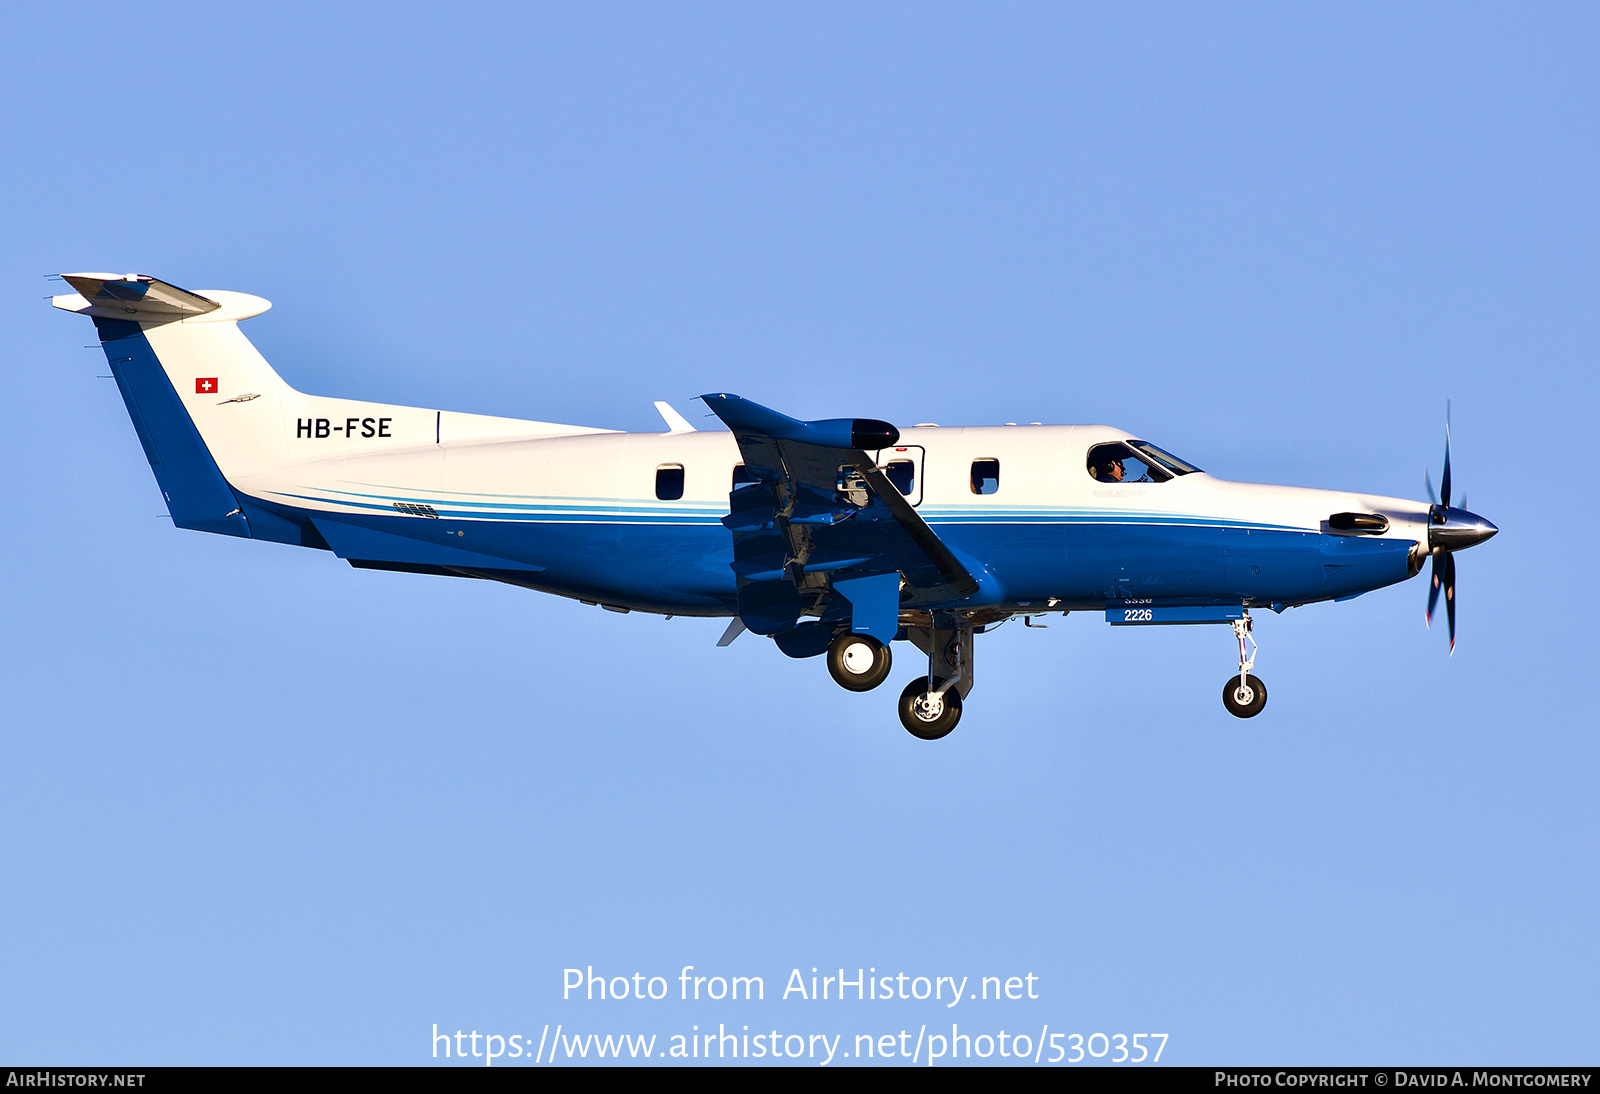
1135	462
1117	463
1164	458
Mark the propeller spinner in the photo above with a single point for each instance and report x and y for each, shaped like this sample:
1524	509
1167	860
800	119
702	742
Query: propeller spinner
1449	530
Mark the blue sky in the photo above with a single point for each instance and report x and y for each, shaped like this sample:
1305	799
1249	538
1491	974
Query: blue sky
263	808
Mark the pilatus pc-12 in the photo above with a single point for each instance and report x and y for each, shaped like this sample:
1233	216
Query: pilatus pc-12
831	537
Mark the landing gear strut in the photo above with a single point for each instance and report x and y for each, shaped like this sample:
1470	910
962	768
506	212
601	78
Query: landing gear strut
930	706
858	662
1244	695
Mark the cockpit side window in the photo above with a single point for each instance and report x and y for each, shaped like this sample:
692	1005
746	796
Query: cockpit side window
1164	458
1113	463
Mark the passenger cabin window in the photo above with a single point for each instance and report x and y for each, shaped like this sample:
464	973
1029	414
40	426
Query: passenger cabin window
669	481
985	476
742	476
903	473
1115	463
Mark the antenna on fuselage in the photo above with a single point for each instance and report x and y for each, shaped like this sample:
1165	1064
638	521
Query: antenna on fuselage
676	423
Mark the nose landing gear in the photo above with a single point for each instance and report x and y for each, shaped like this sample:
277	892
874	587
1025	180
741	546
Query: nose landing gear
1244	696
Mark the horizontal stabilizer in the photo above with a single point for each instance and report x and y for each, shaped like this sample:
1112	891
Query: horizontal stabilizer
133	297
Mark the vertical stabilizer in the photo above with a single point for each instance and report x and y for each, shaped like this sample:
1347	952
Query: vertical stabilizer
222	430
127	311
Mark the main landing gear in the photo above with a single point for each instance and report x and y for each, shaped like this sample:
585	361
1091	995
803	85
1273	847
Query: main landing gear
930	706
858	662
930	709
1244	695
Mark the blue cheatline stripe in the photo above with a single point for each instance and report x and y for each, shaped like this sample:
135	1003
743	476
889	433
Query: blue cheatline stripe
628	512
1144	520
638	513
553	516
545	506
474	493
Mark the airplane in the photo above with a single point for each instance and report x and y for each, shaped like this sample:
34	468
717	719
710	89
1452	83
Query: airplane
834	538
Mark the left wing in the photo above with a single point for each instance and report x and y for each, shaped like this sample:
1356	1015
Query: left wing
821	531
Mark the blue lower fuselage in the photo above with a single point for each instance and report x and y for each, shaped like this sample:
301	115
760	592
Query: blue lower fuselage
683	568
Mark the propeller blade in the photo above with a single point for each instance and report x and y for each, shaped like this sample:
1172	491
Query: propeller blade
1450	596
1427	480
1444	484
1433	586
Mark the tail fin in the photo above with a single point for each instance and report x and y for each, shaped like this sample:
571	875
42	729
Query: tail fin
220	427
134	315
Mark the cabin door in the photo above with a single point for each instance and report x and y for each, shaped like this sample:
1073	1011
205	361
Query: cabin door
902	465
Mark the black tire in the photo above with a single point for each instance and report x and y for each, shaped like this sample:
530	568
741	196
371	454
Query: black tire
858	662
1244	706
913	711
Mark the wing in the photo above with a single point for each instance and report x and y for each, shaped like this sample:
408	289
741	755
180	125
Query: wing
820	530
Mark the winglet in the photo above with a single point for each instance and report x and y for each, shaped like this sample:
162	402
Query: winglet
676	423
743	416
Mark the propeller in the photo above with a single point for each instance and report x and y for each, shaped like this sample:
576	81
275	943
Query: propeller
1444	574
1449	530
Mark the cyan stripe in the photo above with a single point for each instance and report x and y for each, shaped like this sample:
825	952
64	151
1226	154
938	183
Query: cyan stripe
622	513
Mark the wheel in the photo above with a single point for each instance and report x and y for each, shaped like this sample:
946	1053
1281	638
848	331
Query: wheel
858	662
926	715
1244	700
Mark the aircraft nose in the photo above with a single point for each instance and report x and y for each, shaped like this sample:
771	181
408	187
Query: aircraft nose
1459	530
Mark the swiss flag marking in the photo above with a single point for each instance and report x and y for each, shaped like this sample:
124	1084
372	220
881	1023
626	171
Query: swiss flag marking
205	385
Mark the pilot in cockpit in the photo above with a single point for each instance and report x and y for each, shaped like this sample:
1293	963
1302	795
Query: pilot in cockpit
1119	463
1109	471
